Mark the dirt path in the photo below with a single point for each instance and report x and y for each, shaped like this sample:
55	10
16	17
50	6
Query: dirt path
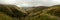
58	18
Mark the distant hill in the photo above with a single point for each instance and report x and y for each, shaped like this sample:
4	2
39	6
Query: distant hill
38	9
39	13
54	10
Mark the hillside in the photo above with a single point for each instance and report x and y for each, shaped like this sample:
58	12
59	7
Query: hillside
37	13
35	10
12	12
54	10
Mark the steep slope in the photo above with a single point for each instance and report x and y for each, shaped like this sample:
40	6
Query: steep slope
33	13
12	10
35	10
38	15
54	10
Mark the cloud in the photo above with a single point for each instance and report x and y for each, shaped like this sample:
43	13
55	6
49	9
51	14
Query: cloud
31	2
7	1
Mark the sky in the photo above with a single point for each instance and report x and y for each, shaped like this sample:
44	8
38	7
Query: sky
26	3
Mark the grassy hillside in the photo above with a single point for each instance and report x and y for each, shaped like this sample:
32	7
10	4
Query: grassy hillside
5	17
54	10
41	15
12	12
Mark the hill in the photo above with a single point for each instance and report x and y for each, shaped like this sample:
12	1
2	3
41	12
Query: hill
35	10
33	13
54	10
12	10
38	13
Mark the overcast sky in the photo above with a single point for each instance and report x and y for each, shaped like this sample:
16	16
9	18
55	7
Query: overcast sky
31	2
